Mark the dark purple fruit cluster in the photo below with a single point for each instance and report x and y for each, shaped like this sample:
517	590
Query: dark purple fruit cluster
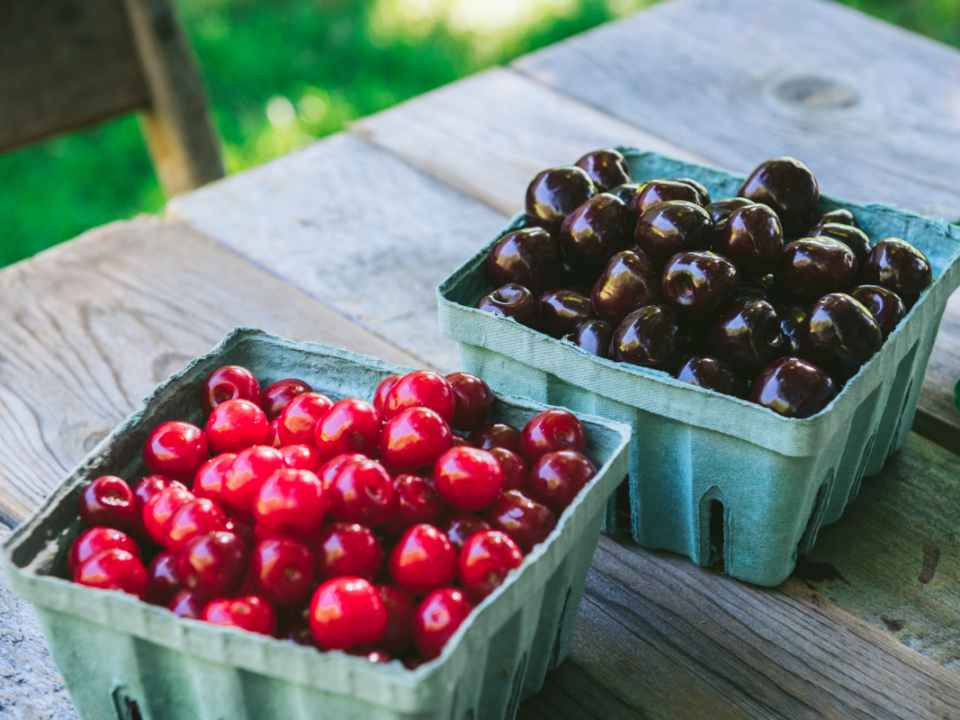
754	296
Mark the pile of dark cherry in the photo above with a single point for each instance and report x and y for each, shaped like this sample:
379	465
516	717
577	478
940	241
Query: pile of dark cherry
752	296
370	528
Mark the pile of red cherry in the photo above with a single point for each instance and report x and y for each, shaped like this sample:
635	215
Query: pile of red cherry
752	296
369	528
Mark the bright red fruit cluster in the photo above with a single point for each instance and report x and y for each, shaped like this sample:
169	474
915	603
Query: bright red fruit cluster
370	528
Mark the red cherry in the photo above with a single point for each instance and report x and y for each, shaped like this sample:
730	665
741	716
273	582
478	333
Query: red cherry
362	492
526	521
250	612
163	580
161	507
228	383
385	386
486	559
400	609
351	426
557	478
330	469
415	502
283	569
346	549
176	450
186	604
437	618
298	421
474	400
198	517
109	502
292	499
208	482
113	569
459	527
302	457
97	540
423	560
278	395
494	435
242	525
235	425
214	565
550	431
149	486
414	438
467	478
273	436
347	611
515	472
246	474
421	388
459	441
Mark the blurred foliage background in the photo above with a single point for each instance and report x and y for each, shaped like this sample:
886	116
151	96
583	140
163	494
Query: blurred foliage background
281	73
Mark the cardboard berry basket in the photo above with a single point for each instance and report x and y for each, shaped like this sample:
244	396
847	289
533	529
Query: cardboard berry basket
122	658
711	475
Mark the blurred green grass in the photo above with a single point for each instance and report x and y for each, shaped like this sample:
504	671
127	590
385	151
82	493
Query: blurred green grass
280	74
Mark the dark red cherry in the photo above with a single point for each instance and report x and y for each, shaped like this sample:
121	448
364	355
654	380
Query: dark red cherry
553	194
747	337
628	282
697	284
596	230
186	604
214	565
788	188
840	336
278	395
711	374
486	560
702	191
437	618
792	320
361	492
810	268
229	382
515	471
347	549
691	340
720	210
459	527
839	216
513	301
898	266
884	305
752	238
494	435
528	257
658	191
647	337
415	502
551	431
558	477
164	582
666	229
607	168
593	336
850	236
793	387
109	502
197	517
473	401
526	521
283	570
626	193
385	386
562	310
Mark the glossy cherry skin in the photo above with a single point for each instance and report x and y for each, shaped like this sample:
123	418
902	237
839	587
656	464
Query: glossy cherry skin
593	335
793	318
486	560
298	422
163	582
415	502
400	609
186	604
788	188
229	382
550	431
234	425
330	469
214	565
561	310
423	560
558	477
361	492
467	478
273	434
850	236
898	266
473	401
175	450
253	613
283	570
647	337
810	268
658	191
628	282
208	482
278	395
290	500
347	611
347	549
421	388
526	521
248	471
702	193
494	435
380	396
553	194
752	238
198	517
95	540
150	485
839	216
607	168
515	470
529	257
747	337
514	301
596	230
884	305
698	284
161	507
109	502
720	210
437	619
840	336
711	374
626	192
414	438
113	569
459	527
350	426
302	457
666	229
793	387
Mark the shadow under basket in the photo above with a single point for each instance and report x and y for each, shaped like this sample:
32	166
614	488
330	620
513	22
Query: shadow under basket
122	658
711	476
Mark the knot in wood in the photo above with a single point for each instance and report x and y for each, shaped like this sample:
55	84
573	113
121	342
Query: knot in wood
816	92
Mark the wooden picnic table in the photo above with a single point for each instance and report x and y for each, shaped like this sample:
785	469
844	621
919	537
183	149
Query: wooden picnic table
344	242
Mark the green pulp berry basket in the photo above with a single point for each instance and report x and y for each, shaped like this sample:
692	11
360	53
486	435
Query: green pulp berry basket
711	476
122	658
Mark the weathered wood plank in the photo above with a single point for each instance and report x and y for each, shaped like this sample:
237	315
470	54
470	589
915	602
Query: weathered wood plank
937	416
89	327
355	227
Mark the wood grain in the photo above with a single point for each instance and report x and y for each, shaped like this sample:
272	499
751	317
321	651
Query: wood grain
937	416
89	327
64	64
